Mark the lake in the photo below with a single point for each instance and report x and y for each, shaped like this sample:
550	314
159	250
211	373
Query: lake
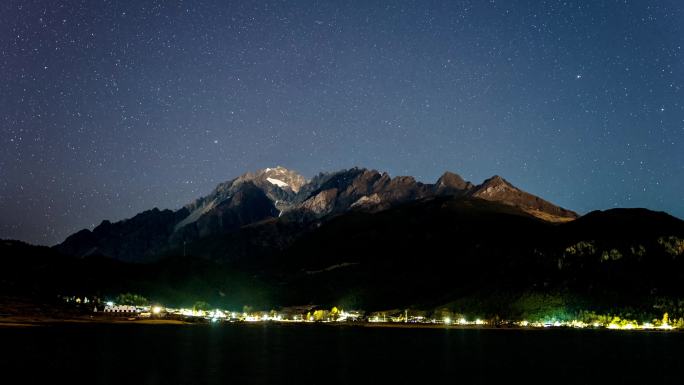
324	354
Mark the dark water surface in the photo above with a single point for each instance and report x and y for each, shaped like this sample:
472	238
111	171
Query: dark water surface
322	354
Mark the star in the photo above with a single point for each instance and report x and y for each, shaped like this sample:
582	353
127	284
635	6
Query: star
336	96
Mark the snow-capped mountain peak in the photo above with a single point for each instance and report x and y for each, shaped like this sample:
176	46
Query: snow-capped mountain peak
277	182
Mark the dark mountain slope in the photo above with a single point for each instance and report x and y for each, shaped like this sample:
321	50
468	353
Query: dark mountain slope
419	253
623	223
439	250
471	254
40	275
136	239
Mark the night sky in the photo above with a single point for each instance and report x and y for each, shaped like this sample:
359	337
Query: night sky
109	108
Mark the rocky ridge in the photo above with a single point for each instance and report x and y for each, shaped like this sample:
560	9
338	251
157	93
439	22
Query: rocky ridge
281	194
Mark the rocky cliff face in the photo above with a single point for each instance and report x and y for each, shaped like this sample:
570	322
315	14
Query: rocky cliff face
374	191
247	199
281	194
279	184
247	204
360	189
451	184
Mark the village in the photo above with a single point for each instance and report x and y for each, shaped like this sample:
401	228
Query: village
201	313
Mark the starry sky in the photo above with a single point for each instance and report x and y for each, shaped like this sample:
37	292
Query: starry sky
109	108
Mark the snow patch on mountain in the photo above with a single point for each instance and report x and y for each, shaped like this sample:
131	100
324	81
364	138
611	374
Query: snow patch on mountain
277	182
367	201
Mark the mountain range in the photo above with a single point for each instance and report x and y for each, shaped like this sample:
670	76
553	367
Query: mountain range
358	238
279	194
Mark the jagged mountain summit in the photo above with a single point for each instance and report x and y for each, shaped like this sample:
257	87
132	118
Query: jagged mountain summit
284	196
498	189
279	185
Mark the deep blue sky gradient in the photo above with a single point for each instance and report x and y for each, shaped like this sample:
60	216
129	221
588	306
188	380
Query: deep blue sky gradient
108	108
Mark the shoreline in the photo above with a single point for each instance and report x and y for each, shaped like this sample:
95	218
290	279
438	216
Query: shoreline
32	321
19	321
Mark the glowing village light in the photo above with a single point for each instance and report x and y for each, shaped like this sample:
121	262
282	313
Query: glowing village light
578	324
217	314
187	312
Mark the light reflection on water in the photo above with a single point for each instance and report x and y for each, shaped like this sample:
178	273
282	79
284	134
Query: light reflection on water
266	354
